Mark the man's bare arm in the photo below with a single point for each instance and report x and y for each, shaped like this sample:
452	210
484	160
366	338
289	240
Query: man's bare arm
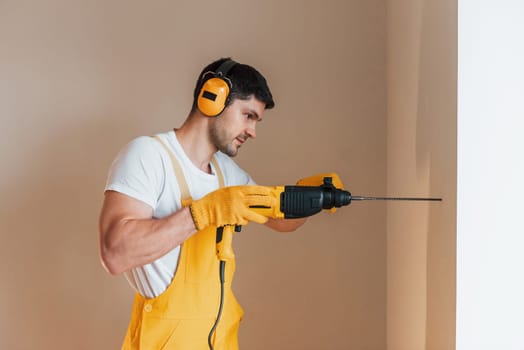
130	237
285	225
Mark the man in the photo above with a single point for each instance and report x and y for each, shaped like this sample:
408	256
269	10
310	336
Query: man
164	199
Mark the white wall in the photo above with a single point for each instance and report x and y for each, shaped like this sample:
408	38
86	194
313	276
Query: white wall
490	228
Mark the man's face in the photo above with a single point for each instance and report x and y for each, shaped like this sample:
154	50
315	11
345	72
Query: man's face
236	124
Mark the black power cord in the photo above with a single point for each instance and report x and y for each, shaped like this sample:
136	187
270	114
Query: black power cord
223	255
222	269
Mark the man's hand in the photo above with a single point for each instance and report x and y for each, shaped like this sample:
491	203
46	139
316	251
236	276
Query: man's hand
231	206
318	180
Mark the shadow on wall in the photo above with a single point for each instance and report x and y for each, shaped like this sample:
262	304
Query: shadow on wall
58	295
436	155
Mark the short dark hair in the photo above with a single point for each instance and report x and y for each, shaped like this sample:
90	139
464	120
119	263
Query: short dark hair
246	81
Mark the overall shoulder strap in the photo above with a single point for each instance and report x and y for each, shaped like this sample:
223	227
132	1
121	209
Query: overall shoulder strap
219	172
181	179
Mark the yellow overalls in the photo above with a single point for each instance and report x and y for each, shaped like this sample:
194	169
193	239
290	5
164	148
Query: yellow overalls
183	315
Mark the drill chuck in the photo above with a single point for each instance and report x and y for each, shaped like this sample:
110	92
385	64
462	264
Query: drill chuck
336	198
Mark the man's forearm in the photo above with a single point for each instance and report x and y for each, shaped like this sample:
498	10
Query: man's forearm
285	225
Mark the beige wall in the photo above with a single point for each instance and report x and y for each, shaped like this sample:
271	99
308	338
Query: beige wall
79	79
421	157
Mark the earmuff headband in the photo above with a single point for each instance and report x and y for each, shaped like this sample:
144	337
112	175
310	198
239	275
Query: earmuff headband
224	68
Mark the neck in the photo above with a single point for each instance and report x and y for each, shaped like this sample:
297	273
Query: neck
193	136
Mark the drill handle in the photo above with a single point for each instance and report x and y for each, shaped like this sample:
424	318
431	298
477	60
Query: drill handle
224	242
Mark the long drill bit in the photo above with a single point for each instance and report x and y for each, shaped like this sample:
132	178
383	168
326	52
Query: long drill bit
367	198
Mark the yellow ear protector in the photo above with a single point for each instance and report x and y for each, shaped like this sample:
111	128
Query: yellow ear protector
214	92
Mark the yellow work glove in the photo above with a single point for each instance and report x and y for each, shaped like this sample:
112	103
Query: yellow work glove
272	211
318	180
231	206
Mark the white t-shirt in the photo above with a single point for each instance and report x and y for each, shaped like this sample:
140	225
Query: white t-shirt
143	170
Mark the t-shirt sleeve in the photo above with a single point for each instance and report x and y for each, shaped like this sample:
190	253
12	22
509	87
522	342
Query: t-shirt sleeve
137	171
